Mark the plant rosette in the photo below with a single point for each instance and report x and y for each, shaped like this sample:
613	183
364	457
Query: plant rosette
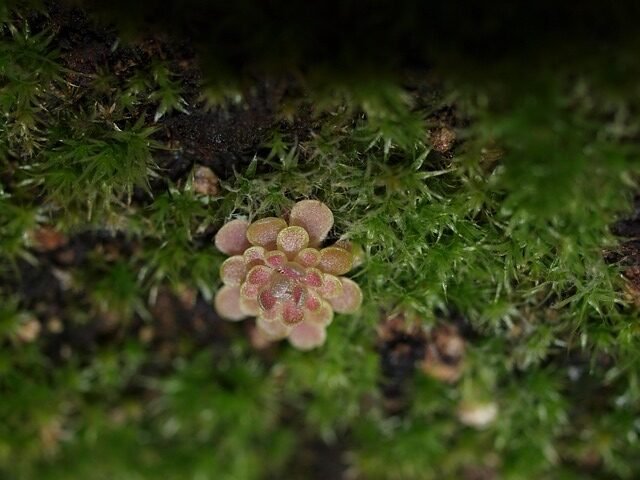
279	273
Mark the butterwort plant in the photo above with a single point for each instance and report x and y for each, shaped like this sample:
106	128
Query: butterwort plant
280	273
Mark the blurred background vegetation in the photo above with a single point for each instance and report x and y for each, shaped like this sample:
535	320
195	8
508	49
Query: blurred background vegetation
484	158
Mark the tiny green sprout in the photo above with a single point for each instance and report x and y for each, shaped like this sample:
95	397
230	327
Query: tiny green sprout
279	273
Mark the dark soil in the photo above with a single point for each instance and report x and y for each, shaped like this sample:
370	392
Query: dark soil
318	460
627	254
182	322
186	315
86	47
629	227
401	344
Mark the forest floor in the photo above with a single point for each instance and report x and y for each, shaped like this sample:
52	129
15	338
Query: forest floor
499	305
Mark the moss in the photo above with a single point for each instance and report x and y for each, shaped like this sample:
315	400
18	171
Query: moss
500	230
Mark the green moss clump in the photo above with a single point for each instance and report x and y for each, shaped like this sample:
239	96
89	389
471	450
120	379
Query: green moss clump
114	365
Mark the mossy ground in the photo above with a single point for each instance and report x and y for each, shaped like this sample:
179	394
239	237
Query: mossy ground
106	253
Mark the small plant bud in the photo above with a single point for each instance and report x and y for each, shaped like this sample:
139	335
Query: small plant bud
278	274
